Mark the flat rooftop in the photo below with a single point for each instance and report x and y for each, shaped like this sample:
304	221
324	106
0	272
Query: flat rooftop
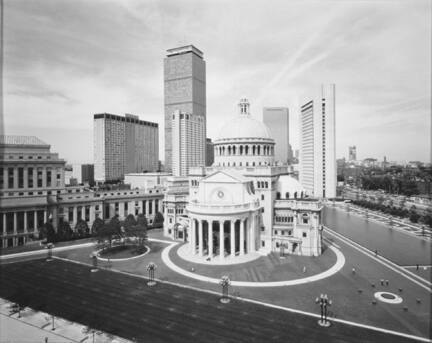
184	50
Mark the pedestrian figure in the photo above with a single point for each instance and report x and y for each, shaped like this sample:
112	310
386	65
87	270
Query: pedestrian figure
353	270
376	252
417	266
304	269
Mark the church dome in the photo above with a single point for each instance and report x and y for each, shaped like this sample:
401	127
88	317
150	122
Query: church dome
244	126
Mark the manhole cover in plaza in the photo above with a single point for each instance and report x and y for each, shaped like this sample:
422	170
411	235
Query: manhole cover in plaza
387	297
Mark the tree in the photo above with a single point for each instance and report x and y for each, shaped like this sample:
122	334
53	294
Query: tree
142	221
97	225
158	220
413	215
64	231
81	228
129	222
47	231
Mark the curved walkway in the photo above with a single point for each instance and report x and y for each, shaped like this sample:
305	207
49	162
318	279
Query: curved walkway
329	272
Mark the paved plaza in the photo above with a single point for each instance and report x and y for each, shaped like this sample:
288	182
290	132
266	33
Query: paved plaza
352	288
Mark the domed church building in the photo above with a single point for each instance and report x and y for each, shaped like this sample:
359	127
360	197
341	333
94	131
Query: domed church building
245	203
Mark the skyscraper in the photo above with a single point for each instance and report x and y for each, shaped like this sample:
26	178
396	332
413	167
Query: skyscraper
123	145
277	120
209	152
87	174
184	89
188	142
352	153
317	146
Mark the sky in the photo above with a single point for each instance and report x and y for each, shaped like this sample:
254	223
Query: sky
65	60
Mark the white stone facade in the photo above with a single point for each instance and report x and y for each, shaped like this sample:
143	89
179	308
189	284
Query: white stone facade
239	205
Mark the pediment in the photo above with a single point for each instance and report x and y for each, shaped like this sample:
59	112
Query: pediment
224	177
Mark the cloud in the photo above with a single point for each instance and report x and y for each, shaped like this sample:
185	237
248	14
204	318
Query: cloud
65	60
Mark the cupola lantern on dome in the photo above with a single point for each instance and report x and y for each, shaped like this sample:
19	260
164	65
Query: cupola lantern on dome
244	107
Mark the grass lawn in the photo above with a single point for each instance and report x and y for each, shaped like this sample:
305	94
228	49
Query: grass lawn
125	306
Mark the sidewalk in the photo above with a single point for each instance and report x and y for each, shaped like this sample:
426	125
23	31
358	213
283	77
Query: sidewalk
35	327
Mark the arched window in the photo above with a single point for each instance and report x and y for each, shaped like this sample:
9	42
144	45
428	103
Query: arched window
234	150
295	195
240	164
278	196
229	150
241	149
228	164
246	149
258	150
233	164
266	184
253	150
287	195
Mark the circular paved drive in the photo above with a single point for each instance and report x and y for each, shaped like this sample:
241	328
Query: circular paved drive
329	272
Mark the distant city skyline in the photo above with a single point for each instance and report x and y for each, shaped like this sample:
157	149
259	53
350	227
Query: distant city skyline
65	61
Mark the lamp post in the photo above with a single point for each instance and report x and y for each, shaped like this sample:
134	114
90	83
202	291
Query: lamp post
93	256
151	267
225	282
50	246
324	302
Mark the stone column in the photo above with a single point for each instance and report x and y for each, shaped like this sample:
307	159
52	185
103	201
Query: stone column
232	238
252	235
15	177
192	239
83	212
122	206
44	175
153	207
15	223
132	207
75	216
242	237
4	224
25	177
147	207
200	238
25	222
210	238
5	178
35	221
92	214
45	216
35	185
221	240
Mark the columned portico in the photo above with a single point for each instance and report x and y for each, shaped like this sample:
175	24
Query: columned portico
215	236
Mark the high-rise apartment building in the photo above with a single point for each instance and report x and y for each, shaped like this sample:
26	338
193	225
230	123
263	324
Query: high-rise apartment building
124	145
352	153
318	148
209	152
188	142
184	89
87	174
277	120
